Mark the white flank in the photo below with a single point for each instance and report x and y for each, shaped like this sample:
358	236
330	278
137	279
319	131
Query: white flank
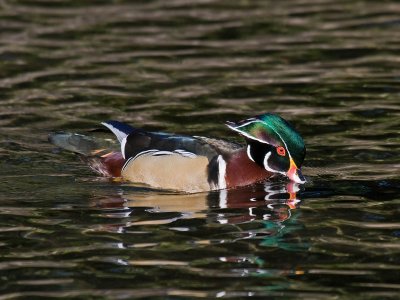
221	172
118	133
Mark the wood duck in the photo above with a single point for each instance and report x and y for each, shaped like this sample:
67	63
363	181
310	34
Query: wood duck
196	163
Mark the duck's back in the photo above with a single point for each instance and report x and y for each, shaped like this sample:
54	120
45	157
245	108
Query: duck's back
139	141
160	160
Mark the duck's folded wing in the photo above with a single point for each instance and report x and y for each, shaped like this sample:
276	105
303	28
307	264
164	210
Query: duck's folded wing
221	146
135	140
139	141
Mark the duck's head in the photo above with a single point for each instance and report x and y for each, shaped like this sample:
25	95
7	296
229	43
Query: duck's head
273	144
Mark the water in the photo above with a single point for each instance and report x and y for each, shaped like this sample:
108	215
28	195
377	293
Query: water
330	67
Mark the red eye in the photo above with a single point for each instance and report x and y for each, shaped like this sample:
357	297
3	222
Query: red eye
281	151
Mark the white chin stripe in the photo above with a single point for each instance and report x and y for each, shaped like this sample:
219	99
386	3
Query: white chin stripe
267	167
221	172
295	177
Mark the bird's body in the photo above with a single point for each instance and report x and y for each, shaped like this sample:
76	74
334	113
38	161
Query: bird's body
177	162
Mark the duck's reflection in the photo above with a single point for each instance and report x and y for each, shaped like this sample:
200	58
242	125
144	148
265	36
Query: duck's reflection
269	201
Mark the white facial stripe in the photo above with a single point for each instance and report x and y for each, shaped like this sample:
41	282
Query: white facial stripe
267	167
253	138
245	134
249	154
221	172
249	121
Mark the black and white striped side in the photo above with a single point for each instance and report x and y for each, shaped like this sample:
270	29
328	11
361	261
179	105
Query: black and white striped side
155	152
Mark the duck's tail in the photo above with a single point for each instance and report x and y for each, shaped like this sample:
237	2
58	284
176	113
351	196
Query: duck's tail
77	143
101	156
121	130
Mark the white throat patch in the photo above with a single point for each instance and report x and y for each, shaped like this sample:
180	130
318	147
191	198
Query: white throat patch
267	167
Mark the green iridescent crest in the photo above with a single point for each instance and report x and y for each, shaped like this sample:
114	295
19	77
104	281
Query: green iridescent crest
271	129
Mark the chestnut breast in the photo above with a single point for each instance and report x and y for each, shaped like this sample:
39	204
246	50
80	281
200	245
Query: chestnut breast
241	171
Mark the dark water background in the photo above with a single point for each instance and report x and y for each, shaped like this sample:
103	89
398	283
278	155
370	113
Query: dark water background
330	67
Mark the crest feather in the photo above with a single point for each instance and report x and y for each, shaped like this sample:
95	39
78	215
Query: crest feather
273	130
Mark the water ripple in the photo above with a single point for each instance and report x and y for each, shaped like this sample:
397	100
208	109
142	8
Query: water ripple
330	67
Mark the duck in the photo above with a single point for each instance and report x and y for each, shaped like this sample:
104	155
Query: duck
195	163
